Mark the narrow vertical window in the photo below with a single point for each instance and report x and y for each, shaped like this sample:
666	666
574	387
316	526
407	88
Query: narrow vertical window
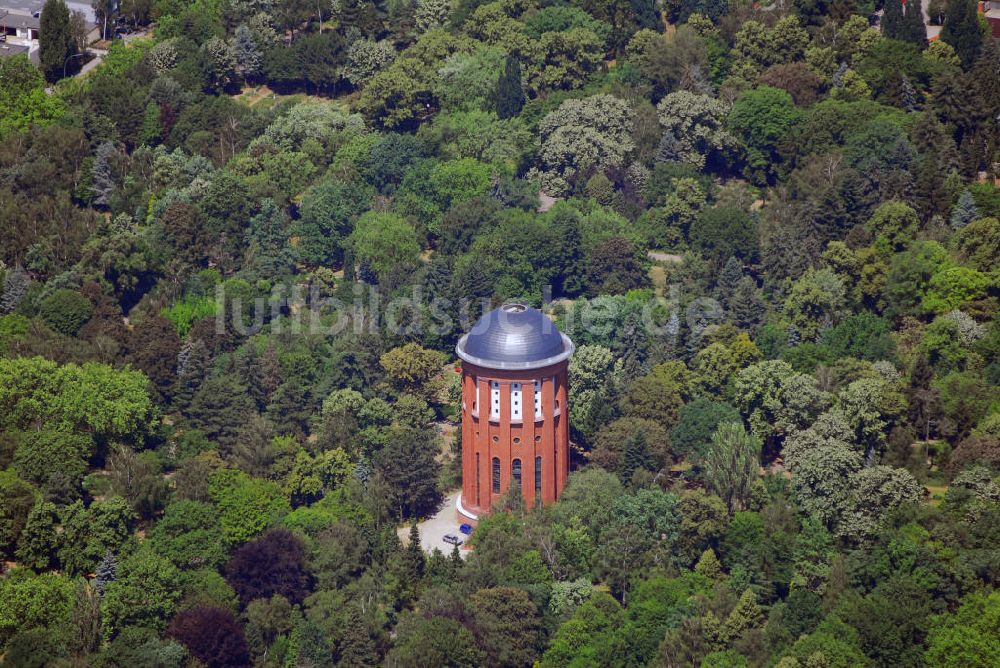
515	471
494	399
477	479
538	399
496	475
538	480
515	401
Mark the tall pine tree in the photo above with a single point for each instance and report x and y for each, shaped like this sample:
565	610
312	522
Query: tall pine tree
510	93
892	19
635	457
912	28
961	31
55	39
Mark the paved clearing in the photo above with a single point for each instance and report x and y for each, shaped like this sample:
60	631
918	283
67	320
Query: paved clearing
433	529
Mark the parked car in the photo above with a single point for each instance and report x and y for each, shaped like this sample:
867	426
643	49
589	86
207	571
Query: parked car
466	529
452	539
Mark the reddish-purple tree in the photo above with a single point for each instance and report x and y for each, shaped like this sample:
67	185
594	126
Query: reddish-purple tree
273	564
212	635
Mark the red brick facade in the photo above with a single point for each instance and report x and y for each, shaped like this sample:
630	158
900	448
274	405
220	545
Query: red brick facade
533	440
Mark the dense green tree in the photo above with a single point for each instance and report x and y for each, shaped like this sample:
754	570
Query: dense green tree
144	593
55	39
247	506
961	31
18	500
409	465
762	118
435	641
89	533
963	638
509	93
189	535
731	463
892	20
386	244
509	626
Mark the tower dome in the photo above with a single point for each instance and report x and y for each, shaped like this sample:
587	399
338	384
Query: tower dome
514	336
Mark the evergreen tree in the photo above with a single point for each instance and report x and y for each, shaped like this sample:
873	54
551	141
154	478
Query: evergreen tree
964	212
102	175
961	31
413	558
357	649
912	28
708	565
729	279
249	59
15	287
39	541
509	93
669	149
456	559
892	19
221	407
745	616
745	305
907	94
55	39
193	361
105	572
838	76
636	456
633	347
269	254
647	14
431	14
573	272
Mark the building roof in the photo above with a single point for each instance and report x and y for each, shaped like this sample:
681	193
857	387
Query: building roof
514	336
22	21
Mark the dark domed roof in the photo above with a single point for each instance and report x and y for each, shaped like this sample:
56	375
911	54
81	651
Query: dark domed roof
514	336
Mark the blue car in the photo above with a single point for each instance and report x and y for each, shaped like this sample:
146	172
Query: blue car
466	529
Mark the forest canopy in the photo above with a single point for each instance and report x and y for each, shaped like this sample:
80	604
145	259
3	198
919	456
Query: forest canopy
237	254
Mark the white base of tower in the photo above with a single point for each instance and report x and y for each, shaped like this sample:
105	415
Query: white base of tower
463	511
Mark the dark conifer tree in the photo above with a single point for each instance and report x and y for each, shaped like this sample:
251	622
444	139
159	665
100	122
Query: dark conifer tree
647	15
912	28
510	92
961	31
892	19
105	572
636	456
414	555
633	346
357	649
729	278
55	39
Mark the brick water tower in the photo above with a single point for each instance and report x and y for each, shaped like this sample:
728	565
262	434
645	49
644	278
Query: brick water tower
515	418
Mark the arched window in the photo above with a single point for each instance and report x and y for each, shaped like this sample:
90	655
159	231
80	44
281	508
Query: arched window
496	475
515	471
